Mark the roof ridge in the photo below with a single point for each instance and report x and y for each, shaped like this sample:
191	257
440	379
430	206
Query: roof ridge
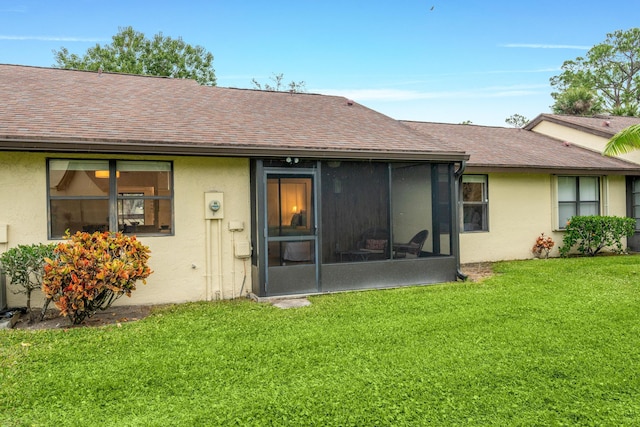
455	124
115	73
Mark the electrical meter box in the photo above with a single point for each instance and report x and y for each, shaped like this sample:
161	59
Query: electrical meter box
213	205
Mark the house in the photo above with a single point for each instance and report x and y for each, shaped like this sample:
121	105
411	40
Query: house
587	131
594	133
519	183
234	191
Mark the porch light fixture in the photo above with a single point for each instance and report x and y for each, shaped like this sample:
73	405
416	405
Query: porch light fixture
292	160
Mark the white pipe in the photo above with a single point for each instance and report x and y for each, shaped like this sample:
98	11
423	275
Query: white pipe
220	291
207	263
233	265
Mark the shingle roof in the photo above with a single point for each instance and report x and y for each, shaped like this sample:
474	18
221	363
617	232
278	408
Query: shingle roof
602	125
508	148
46	108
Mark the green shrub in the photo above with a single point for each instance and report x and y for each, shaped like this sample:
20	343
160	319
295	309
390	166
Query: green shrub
91	271
593	233
24	265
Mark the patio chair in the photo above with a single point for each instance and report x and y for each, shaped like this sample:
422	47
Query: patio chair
372	245
413	246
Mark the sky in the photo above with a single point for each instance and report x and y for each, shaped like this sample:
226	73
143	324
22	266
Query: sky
437	60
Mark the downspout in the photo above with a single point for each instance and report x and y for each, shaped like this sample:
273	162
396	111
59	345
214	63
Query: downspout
458	177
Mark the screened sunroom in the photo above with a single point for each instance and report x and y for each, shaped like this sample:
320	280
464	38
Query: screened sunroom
332	225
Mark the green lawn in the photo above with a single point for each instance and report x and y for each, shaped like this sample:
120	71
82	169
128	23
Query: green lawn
545	342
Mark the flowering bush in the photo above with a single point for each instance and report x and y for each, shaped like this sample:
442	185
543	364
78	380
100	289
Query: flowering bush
543	246
91	271
593	233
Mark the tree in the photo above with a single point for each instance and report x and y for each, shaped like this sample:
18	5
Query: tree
279	85
130	52
24	265
624	141
611	70
577	101
516	120
629	111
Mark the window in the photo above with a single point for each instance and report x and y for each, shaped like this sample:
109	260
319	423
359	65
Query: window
577	195
475	203
290	217
134	197
289	205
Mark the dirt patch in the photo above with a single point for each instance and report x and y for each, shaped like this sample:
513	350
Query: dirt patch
477	271
113	315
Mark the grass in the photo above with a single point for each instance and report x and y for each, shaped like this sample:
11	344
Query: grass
547	342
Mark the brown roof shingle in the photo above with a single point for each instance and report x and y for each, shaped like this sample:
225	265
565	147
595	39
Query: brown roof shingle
45	108
509	148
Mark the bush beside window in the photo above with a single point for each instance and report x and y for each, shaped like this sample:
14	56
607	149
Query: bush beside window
91	271
590	234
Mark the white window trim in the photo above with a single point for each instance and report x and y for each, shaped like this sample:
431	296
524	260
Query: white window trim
485	202
603	206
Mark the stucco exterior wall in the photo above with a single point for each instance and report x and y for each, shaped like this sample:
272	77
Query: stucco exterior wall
196	263
616	199
584	139
521	206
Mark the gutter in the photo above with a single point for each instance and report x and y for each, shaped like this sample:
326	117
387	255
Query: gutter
229	150
458	176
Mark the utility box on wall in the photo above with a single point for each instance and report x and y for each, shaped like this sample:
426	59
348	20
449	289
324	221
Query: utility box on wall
213	205
242	249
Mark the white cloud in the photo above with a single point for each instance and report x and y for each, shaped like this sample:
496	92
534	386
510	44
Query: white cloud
434	78
545	46
537	70
53	38
362	95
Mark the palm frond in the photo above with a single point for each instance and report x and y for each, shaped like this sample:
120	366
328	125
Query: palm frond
624	141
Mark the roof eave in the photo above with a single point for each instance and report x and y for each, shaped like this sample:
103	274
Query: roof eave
182	149
554	170
558	121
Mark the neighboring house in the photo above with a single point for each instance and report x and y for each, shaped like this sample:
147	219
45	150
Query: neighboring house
518	184
594	133
234	191
591	132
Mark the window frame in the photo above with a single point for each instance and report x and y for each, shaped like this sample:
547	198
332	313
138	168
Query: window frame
633	206
483	204
115	196
577	202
